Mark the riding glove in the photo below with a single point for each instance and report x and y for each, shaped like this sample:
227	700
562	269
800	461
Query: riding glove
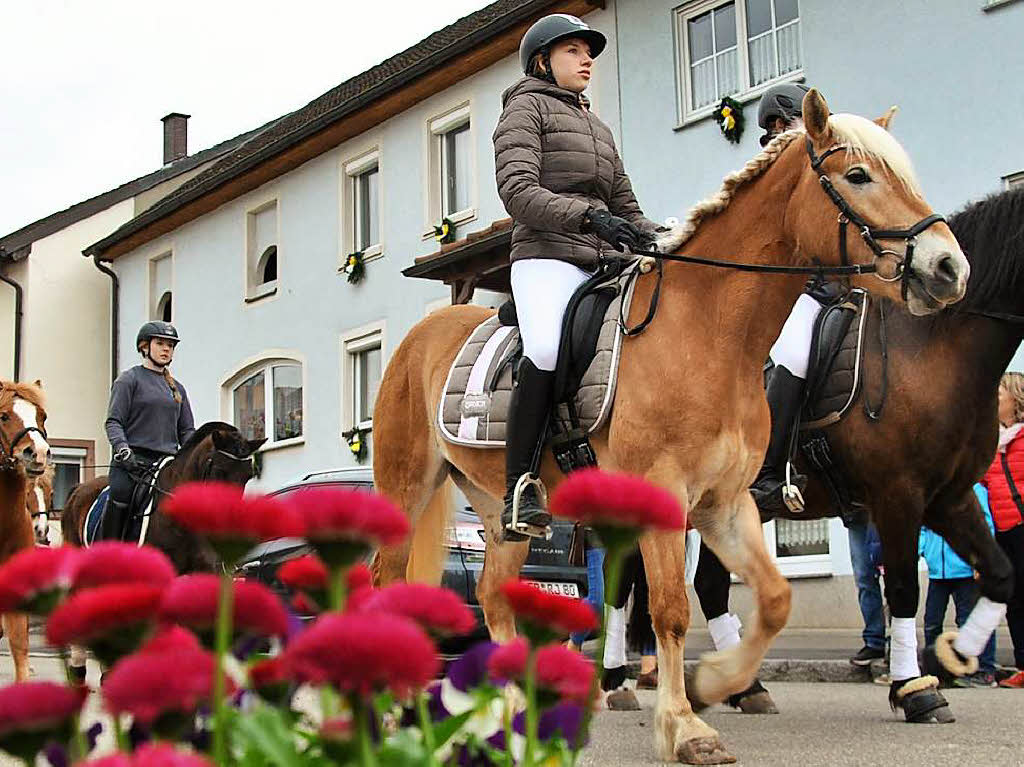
123	454
617	232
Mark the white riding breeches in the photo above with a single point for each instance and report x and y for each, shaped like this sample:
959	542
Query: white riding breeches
792	349
542	288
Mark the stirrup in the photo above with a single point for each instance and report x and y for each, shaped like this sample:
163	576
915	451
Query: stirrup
791	495
525	528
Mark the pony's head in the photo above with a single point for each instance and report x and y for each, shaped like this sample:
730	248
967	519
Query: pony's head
219	452
38	500
23	427
861	179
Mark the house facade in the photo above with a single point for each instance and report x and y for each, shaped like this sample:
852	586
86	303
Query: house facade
276	339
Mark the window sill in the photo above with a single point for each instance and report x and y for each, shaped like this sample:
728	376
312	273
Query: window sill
461	217
263	291
283	443
991	5
372	253
754	93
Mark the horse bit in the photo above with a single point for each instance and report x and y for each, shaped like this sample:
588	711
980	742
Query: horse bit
7	457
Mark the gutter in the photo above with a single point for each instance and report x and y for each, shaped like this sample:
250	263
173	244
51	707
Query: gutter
115	312
19	297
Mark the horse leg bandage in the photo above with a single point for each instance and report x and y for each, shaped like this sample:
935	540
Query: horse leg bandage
903	649
725	631
615	637
978	627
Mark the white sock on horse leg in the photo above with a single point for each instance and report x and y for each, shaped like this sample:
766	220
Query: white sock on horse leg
615	637
725	631
975	633
903	649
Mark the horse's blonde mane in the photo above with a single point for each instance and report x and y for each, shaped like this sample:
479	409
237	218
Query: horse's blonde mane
860	136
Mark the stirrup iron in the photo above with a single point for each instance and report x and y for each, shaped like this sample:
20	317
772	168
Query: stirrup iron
524	528
791	495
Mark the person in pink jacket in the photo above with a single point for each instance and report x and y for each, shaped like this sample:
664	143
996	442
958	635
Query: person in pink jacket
1004	481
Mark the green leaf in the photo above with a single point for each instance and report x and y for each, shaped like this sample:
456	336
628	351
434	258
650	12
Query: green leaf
403	749
263	731
446	728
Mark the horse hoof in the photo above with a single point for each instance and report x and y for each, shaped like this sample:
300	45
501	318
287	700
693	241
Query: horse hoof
690	682
622	699
921	702
758	703
704	751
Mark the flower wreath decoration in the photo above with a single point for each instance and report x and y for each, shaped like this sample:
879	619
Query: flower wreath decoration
355	267
445	231
356	439
729	116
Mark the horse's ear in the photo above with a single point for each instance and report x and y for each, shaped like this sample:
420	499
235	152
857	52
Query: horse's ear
815	112
220	441
255	444
885	119
38	383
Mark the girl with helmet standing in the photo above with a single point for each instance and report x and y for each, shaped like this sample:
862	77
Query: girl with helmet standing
562	181
149	417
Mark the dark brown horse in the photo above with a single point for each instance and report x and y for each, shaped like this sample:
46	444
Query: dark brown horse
217	451
917	463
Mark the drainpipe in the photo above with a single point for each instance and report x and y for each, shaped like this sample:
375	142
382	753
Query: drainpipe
115	306
18	298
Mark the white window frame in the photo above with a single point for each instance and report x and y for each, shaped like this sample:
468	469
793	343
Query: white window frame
681	15
154	299
437	128
253	261
1011	180
371	336
265	363
802	566
351	169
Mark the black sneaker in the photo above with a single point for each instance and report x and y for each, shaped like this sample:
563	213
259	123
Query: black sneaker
867	654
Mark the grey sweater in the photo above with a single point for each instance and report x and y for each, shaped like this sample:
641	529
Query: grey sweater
143	413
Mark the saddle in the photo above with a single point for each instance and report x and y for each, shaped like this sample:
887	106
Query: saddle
139	509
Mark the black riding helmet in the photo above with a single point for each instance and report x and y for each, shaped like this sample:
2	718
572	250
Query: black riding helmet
156	329
549	30
785	100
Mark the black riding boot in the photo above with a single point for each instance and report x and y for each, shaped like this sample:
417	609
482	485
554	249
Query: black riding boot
115	519
785	398
528	414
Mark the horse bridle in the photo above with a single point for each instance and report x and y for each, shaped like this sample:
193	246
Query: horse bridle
870	234
7	457
208	467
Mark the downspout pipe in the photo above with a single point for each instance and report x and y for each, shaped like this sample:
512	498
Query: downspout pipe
18	301
115	311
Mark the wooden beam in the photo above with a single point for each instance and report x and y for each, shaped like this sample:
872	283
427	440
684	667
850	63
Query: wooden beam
337	133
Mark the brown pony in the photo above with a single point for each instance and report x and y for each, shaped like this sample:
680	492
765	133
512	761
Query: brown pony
690	413
24	454
216	451
38	502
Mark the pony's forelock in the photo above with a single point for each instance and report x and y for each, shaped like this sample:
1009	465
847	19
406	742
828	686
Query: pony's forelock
864	138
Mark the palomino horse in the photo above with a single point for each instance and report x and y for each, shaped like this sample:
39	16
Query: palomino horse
217	451
38	502
23	454
936	435
690	413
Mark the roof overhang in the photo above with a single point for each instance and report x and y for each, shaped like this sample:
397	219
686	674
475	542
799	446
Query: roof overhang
478	261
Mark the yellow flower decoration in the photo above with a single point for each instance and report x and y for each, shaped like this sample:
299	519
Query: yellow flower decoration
726	111
730	121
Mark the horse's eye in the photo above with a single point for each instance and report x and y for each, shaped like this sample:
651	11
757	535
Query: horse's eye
858	176
4	417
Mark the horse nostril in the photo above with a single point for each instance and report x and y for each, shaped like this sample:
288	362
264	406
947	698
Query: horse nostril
946	270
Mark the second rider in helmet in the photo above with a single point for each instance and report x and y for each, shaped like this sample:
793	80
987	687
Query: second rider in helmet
560	177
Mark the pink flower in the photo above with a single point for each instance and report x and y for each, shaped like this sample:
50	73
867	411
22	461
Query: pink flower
438	611
305	573
37	707
563	614
566	673
508	662
165	755
220	511
362	653
114	760
34	580
268	672
605	499
148	685
171	638
114	562
349	515
191	600
359	577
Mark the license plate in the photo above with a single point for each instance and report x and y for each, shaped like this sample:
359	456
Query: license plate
562	589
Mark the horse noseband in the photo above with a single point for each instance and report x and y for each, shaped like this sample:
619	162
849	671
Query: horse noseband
7	457
208	469
870	234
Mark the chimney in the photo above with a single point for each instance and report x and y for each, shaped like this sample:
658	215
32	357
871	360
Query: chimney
175	137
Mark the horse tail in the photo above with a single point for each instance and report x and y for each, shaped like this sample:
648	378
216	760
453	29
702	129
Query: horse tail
427	550
69	519
640	629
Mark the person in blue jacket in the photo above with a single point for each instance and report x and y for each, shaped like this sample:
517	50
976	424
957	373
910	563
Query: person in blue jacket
949	576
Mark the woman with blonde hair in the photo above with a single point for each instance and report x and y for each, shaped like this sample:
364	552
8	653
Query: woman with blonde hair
1004	480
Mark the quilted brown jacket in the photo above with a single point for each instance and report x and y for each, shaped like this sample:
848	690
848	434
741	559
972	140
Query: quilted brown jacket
554	160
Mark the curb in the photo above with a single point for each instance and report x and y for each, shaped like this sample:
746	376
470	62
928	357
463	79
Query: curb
836	671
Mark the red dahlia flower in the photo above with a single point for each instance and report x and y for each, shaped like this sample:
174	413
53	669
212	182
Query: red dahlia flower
306	573
114	760
166	686
508	661
191	600
605	499
438	611
171	638
362	653
230	520
115	562
32	713
269	677
343	525
165	755
548	613
110	620
35	579
566	673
